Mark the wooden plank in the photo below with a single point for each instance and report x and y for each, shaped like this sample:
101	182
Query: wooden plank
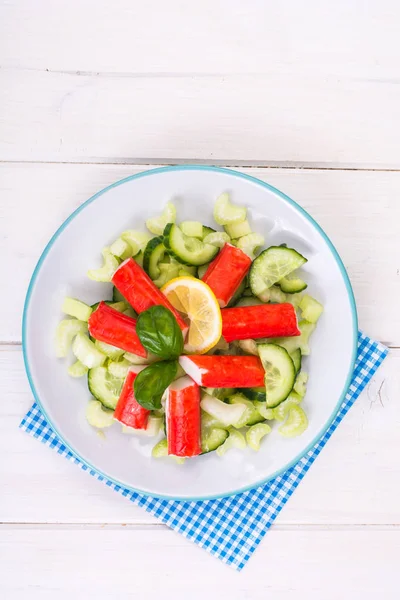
121	563
354	481
276	119
214	36
358	210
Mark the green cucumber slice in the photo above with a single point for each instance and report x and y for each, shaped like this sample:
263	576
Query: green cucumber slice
105	387
280	373
153	255
212	439
296	423
292	285
187	250
257	393
255	434
296	358
271	266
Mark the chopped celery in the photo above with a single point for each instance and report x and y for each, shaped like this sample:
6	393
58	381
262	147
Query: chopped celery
161	449
119	368
76	308
250	244
129	312
139	360
168	271
250	415
153	428
136	239
267	413
212	439
311	309
255	434
77	369
248	346
192	228
202	270
281	411
119	306
238	230
296	423
66	331
225	213
300	341
97	416
228	414
121	249
85	351
209	422
234	440
276	295
217	238
300	385
157	224
108	349
105	272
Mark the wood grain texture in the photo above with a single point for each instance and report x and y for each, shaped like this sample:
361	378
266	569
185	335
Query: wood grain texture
359	211
353	482
120	563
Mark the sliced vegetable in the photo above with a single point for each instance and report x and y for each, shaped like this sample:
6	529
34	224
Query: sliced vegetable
209	422
104	387
235	440
296	423
108	350
300	385
281	411
128	411
279	373
76	308
217	238
250	243
182	411
262	321
168	271
66	331
105	272
153	255
114	328
250	415
224	371
77	369
154	425
256	393
212	439
136	239
136	286
311	309
227	414
301	341
296	358
276	295
248	301
271	266
139	360
98	417
86	352
255	434
192	229
225	274
226	213
160	450
238	230
267	413
201	270
248	346
187	250
292	285
157	224
117	296
121	249
119	368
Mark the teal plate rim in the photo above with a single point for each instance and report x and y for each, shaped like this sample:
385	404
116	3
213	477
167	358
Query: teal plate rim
285	198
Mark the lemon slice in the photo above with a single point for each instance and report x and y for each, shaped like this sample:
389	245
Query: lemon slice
199	307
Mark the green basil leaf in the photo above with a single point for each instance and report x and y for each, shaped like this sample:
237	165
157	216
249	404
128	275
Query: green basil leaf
159	332
151	383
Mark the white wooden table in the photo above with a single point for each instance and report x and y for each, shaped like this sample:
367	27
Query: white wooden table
304	95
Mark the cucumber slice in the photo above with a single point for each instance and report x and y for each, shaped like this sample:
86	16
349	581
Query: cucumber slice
234	440
105	273
220	393
160	450
136	239
281	411
276	295
76	308
250	244
105	387
296	423
77	369
153	255
299	341
98	417
157	224
119	369
267	413
187	250
121	249
271	266
300	385
212	439
192	229
250	415
257	393
255	434
238	230
85	351
65	333
296	358
207	230
279	373
217	238
292	285
108	349
225	213
311	309
139	258
227	414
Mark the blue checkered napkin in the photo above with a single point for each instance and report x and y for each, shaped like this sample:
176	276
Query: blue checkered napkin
229	528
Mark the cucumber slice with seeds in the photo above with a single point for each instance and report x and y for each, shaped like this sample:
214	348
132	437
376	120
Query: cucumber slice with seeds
280	373
105	387
187	250
271	266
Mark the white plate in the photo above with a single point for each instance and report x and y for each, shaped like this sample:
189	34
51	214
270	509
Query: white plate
61	271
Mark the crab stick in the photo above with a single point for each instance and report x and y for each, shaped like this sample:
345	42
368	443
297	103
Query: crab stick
112	327
224	371
226	273
261	321
182	410
139	290
128	410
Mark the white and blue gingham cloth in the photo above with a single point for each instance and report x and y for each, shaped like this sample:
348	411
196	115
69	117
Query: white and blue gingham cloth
229	528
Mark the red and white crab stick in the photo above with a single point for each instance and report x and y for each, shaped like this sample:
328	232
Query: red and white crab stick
182	411
226	273
261	321
128	410
224	371
112	327
139	290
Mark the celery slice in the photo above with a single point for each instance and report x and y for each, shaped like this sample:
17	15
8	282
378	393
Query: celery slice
157	224
66	331
105	272
85	351
77	369
97	416
76	308
226	213
235	440
255	434
296	423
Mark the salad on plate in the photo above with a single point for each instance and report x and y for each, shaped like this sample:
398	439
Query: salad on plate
202	344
